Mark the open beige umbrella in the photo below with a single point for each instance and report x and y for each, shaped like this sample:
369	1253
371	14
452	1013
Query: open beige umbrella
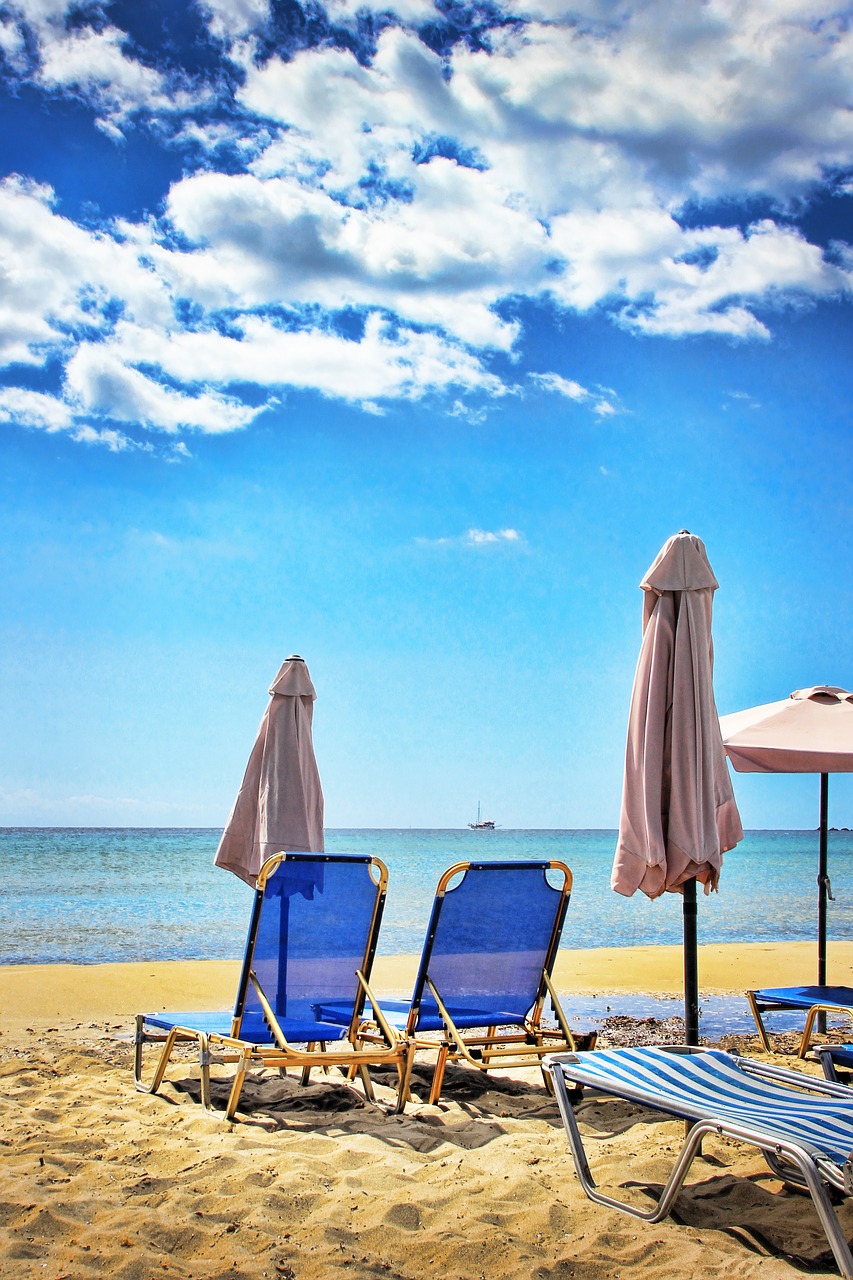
809	732
279	806
678	809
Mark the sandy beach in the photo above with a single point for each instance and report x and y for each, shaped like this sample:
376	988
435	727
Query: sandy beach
315	1182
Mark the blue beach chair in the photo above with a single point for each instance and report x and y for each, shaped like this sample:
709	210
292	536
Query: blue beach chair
802	1125
312	939
815	1002
485	969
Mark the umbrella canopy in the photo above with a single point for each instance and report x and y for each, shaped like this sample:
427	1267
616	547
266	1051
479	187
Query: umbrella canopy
809	732
678	809
279	806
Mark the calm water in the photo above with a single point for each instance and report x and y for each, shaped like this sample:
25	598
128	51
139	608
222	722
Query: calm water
91	895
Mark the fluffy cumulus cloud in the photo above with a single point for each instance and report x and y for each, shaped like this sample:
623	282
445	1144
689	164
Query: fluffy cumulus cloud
362	208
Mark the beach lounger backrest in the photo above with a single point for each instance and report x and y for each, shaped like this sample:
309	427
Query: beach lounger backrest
713	1085
493	934
315	922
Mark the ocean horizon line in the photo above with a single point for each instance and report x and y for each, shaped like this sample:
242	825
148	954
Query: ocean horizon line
114	826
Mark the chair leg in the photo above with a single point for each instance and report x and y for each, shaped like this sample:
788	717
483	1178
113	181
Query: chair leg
204	1068
438	1074
312	1048
160	1069
138	1041
236	1087
366	1082
808	1030
759	1022
404	1073
548	1080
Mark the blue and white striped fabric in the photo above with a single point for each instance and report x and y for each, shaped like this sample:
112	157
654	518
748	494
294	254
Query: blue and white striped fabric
712	1085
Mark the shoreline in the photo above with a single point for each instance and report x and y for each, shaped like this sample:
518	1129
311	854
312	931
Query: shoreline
39	994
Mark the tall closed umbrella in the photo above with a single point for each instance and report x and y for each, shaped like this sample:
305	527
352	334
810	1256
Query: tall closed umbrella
678	809
279	806
809	732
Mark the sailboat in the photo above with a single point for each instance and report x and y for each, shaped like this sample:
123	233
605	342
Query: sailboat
482	824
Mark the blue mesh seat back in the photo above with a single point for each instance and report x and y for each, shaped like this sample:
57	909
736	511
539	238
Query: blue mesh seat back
488	942
316	927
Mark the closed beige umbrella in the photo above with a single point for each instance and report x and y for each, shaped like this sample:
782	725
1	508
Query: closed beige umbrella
678	809
279	807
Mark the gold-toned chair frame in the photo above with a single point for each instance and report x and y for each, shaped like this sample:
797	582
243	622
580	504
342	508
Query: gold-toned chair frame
353	1056
518	1048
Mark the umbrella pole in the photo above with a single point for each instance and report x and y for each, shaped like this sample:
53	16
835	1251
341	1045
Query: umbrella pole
822	893
822	881
691	963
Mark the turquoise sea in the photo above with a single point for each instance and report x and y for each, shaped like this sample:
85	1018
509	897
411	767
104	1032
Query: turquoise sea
90	895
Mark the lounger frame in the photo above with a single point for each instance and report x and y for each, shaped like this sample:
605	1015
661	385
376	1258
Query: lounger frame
351	1054
761	1002
792	1162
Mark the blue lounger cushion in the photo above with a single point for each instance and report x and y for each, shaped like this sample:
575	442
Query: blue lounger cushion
252	1030
805	997
397	1014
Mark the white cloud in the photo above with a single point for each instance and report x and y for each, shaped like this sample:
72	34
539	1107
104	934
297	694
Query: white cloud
382	363
477	538
444	259
12	43
34	409
91	61
412	13
742	398
102	380
115	441
482	538
94	61
234	19
58	277
601	400
568	156
563	386
669	280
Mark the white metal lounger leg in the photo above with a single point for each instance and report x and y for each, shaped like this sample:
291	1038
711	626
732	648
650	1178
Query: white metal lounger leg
676	1178
829	1221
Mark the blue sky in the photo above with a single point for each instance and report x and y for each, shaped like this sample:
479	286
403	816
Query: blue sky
402	338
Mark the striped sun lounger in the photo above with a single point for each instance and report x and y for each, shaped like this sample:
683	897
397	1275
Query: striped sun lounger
801	1124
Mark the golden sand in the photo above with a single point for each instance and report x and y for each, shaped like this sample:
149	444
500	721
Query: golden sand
97	1180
